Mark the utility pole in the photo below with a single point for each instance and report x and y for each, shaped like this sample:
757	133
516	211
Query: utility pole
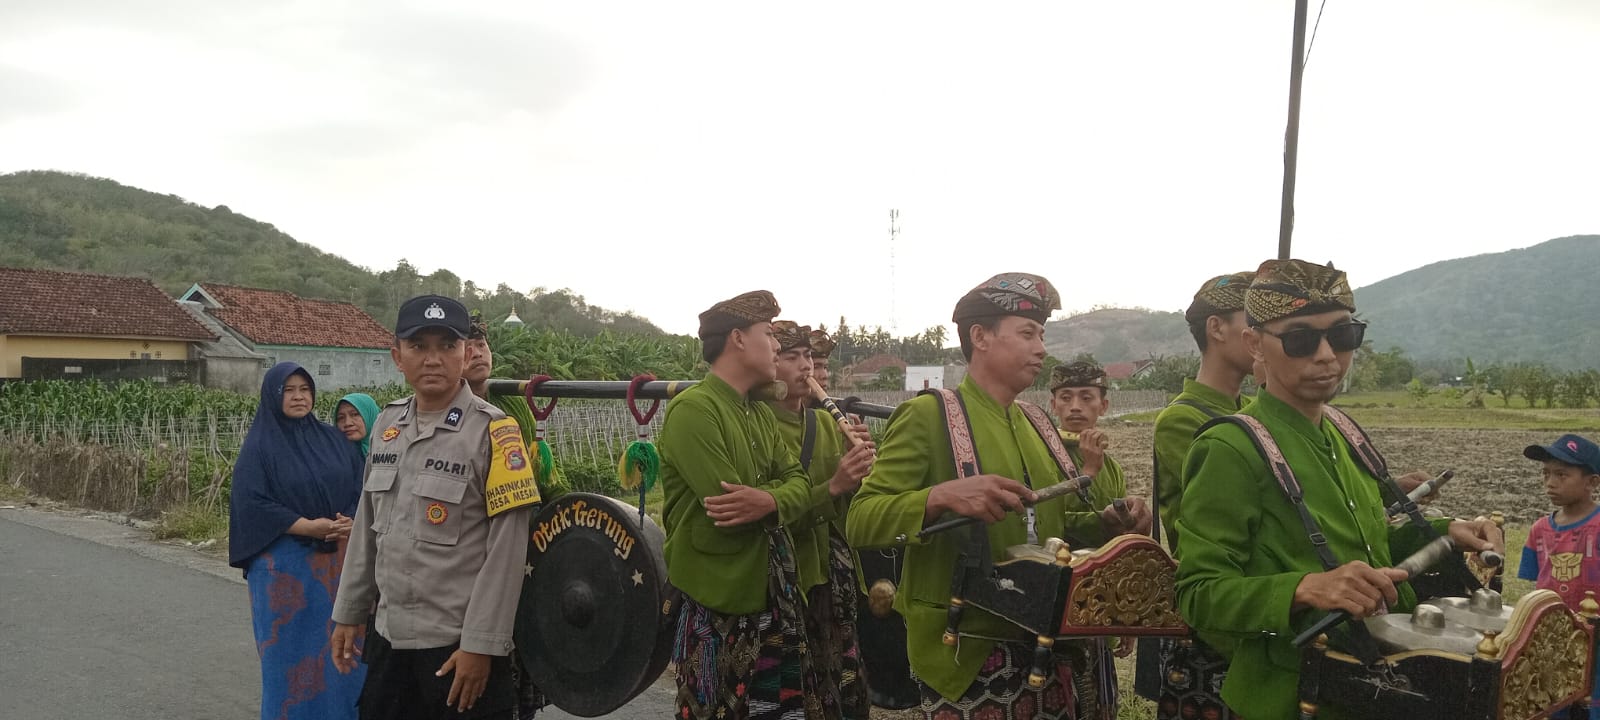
894	234
1291	135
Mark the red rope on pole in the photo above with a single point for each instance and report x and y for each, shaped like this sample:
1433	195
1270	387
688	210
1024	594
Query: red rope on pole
642	416
540	414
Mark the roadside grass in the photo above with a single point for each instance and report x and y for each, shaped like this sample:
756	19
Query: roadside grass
12	493
192	523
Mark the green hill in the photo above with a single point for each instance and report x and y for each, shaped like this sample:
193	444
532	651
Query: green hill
1119	334
1538	305
67	221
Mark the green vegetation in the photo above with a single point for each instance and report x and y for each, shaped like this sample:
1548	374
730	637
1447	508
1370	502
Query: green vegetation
194	523
1533	305
75	222
1401	408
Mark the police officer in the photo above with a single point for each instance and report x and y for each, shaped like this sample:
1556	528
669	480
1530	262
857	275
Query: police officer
440	537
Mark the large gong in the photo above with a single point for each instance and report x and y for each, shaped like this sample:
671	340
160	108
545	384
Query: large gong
596	619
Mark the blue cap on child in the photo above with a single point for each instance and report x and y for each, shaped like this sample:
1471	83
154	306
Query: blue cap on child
1570	449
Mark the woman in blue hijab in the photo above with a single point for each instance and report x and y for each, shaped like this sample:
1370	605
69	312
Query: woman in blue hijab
295	487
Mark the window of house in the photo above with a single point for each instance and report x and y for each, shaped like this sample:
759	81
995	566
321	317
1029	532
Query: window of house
324	370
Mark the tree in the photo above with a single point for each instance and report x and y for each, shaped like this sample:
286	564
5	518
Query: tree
1167	373
1418	391
1574	389
889	378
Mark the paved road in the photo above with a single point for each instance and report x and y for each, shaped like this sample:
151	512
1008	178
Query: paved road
96	621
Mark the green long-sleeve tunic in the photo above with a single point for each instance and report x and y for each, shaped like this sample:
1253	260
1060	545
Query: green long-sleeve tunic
1243	550
811	550
913	457
712	434
1175	429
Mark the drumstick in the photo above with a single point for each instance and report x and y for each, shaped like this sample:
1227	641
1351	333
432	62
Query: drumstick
832	407
1421	491
1421	560
1049	493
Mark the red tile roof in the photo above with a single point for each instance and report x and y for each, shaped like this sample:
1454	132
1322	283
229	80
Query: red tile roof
275	317
1125	370
72	303
871	365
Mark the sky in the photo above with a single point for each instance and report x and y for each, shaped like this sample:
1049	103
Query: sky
658	157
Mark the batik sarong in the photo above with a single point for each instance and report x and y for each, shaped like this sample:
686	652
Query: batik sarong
291	605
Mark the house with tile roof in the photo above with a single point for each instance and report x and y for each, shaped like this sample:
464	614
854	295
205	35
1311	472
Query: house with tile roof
72	325
337	342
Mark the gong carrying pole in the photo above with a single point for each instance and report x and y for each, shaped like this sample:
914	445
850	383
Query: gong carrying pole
1291	134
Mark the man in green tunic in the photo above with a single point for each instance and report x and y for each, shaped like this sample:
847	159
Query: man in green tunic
914	482
821	349
823	561
1216	319
1249	578
1078	399
732	487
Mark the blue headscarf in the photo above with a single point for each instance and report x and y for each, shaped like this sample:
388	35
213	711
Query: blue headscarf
368	408
288	469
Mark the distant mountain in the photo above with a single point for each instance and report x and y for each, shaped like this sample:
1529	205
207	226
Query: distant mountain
66	221
1118	334
1538	305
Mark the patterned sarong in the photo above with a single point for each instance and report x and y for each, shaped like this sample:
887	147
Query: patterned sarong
1083	687
747	667
837	671
291	606
1191	676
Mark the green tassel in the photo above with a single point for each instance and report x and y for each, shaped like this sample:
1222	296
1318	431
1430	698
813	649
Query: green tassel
546	467
639	466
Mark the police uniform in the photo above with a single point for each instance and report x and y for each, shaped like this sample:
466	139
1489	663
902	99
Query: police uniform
439	541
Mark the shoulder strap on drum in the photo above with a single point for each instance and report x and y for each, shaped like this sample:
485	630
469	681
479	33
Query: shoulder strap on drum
808	439
1268	447
1052	439
1364	647
1369	457
1155	471
962	451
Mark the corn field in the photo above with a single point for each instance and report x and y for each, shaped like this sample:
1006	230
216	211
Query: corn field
142	449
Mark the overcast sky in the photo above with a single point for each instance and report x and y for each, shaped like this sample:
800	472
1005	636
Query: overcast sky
657	157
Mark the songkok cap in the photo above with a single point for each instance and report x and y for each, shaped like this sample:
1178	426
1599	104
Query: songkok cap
753	307
1021	294
1220	295
1287	288
477	329
790	335
821	345
1081	373
426	311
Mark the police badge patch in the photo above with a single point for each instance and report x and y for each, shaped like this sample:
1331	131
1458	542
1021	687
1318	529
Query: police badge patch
437	513
390	434
453	418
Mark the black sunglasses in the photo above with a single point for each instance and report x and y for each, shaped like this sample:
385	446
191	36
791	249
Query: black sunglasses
1303	342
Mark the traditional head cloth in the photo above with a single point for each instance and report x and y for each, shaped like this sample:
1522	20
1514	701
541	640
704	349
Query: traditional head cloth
364	404
477	328
740	312
821	345
288	468
1077	374
1220	295
1286	288
1028	296
790	335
